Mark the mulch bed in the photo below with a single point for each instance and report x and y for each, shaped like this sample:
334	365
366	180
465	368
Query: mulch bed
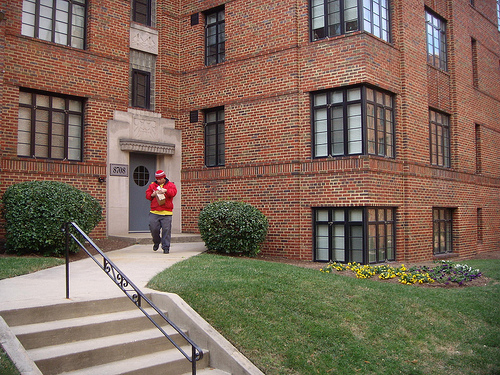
480	281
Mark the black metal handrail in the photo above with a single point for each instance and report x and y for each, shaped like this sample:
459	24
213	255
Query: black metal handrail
132	292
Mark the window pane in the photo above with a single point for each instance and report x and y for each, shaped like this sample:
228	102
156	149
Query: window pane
356	215
319	99
338	215
24	98
353	94
322	215
43	101
356	244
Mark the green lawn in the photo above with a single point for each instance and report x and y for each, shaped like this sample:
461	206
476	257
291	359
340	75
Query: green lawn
16	266
292	320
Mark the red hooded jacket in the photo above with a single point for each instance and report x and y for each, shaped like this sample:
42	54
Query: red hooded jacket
169	195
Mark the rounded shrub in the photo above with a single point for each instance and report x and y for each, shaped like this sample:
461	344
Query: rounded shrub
35	213
232	227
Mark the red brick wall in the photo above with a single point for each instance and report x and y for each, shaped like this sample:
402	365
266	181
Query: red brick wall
99	73
265	84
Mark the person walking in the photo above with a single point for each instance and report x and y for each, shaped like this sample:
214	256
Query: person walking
161	194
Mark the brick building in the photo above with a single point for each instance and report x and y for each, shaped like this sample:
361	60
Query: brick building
364	130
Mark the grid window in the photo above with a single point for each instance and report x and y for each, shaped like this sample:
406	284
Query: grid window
141	89
353	121
215	37
475	74
58	21
442	222
50	126
141	12
479	224
478	148
436	41
439	138
498	14
363	235
214	138
336	17
380	235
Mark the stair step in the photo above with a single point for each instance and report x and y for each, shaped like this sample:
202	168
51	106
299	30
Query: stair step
112	336
33	336
67	310
79	354
209	371
145	238
167	362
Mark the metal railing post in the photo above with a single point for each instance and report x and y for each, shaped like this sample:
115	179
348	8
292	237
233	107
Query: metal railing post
193	362
66	229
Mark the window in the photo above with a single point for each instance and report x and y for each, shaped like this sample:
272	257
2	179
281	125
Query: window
141	11
58	21
498	14
141	89
439	138
214	137
142	80
479	225
442	222
353	121
478	148
475	75
436	41
50	126
336	17
215	37
363	235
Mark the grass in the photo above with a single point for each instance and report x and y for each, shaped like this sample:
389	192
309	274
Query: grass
12	266
6	365
292	320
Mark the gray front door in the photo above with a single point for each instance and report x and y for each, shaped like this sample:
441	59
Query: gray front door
142	173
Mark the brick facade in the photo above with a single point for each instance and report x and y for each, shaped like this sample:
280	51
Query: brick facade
265	84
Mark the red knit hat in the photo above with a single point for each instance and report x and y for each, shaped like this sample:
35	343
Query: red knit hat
160	174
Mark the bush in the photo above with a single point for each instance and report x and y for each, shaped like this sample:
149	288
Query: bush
35	213
232	227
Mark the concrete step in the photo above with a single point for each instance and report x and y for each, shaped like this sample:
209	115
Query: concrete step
168	362
81	354
84	328
209	371
145	238
107	334
67	310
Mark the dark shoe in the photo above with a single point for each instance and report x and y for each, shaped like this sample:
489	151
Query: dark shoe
166	250
156	246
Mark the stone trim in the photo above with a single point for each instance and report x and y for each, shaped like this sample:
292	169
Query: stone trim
147	147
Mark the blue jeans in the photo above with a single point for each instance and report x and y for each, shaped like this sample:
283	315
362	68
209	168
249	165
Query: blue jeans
163	224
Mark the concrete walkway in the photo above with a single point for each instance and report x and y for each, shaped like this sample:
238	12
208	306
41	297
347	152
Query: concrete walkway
88	281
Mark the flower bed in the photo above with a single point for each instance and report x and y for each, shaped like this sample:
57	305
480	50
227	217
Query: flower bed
444	272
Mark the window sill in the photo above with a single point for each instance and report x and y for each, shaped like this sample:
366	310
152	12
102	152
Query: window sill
445	256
